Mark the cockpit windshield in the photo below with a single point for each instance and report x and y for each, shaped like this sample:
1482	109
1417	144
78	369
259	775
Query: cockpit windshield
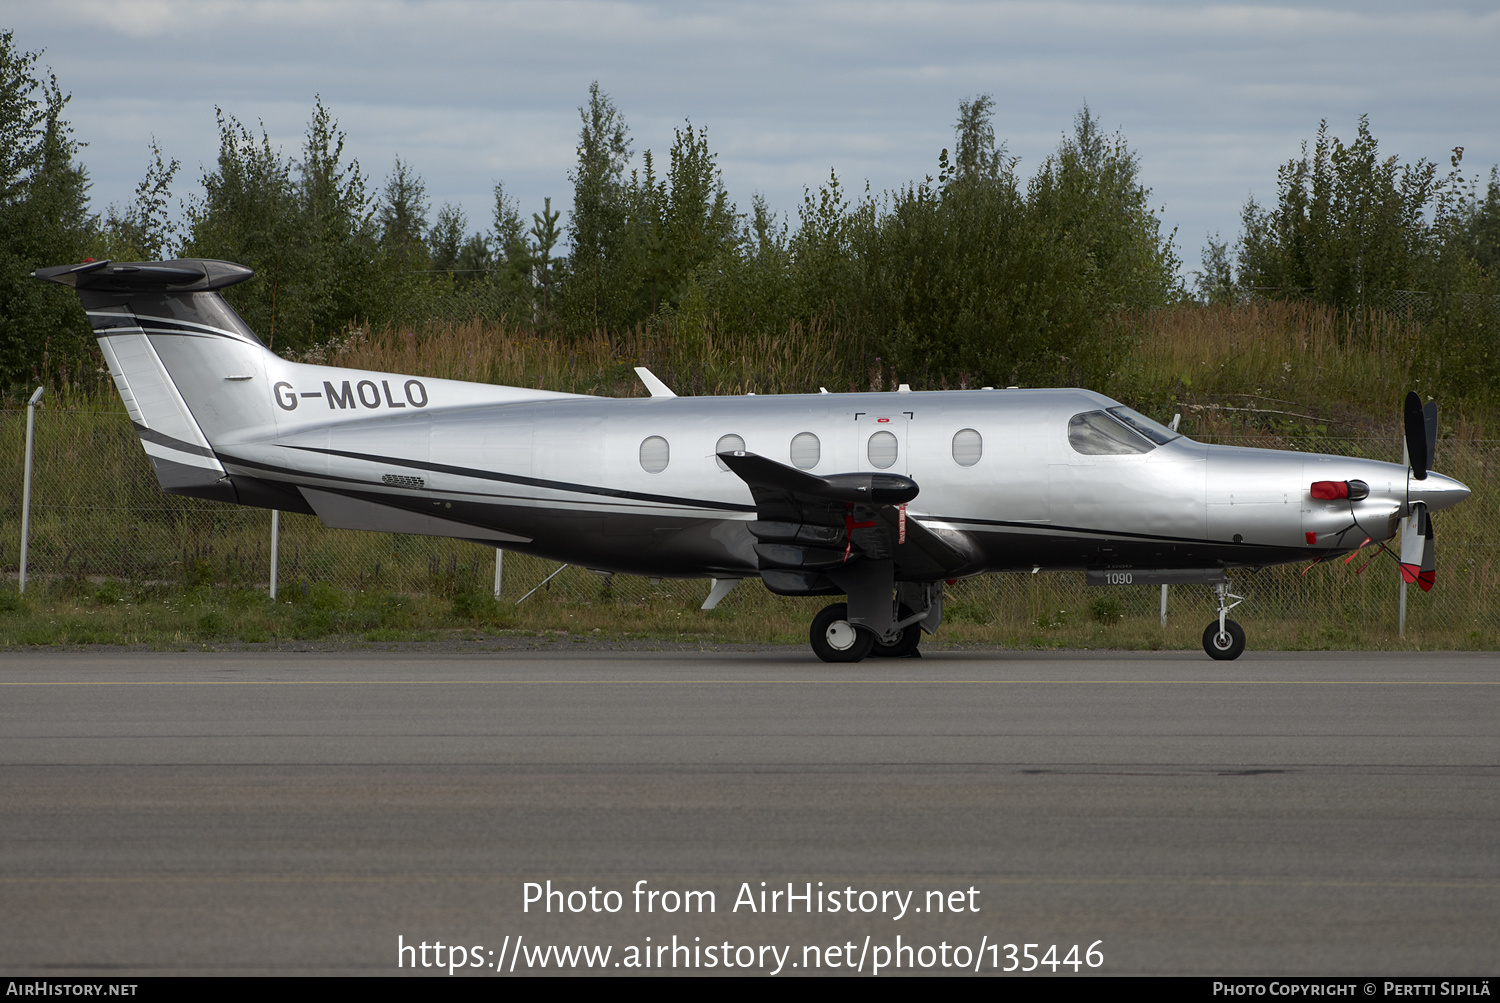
1153	430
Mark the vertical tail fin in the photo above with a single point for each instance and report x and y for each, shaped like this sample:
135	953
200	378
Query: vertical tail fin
203	391
165	332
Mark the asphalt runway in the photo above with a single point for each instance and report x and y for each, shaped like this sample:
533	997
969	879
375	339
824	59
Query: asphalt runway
266	813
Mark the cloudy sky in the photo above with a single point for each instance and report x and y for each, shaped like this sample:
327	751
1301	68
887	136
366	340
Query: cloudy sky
1212	97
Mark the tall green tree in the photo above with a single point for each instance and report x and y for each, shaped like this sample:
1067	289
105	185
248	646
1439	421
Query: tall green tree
343	277
307	228
976	154
402	216
1215	283
681	228
546	270
1482	227
249	213
1362	232
509	233
145	229
1347	224
401	219
831	251
974	279
513	256
447	237
1088	198
44	220
599	293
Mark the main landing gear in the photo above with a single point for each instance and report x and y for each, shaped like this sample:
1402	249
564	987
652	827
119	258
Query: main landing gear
835	639
1223	639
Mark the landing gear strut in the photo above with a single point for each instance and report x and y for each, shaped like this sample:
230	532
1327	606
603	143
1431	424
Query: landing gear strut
906	645
1223	639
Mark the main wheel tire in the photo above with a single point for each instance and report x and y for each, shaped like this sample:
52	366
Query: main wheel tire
835	639
1226	646
905	647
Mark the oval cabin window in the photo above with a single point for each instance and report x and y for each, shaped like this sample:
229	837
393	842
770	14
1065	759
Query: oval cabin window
882	449
730	443
968	447
806	450
655	454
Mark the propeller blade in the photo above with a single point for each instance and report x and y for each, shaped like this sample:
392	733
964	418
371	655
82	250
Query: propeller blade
1413	543
1429	560
1415	421
1429	419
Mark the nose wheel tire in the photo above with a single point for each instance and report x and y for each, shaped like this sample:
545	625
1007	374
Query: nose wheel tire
1225	646
835	639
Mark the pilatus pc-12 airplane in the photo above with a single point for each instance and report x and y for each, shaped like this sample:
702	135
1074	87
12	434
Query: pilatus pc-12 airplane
878	497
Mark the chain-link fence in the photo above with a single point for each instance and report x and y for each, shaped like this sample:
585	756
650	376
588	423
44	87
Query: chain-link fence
1409	303
97	513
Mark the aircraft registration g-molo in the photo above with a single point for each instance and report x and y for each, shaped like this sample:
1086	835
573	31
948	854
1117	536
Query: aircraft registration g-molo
879	497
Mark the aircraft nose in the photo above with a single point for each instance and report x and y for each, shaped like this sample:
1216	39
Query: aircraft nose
1438	491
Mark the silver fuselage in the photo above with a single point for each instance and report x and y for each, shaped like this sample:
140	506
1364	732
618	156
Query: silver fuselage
563	478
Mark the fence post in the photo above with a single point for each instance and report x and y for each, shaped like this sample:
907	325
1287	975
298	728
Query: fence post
1401	617
499	569
26	484
275	544
1164	607
26	488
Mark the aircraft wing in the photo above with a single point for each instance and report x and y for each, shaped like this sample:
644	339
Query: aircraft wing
808	526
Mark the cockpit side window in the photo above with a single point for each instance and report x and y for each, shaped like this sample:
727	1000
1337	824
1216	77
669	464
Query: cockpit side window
1095	433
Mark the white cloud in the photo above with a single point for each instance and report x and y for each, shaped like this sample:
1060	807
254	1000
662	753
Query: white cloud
1213	97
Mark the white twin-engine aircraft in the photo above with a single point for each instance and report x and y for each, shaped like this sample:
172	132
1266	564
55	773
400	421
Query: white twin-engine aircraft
879	497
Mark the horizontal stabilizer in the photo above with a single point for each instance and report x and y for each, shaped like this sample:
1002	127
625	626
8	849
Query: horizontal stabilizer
183	276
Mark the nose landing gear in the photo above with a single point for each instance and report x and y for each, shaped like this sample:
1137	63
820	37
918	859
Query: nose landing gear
1223	639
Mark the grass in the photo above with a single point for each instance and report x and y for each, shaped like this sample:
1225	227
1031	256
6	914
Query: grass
1331	608
1296	369
484	351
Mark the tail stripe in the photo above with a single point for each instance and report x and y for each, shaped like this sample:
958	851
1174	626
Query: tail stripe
132	323
153	436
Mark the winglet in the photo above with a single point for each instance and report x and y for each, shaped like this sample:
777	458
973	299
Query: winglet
656	386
